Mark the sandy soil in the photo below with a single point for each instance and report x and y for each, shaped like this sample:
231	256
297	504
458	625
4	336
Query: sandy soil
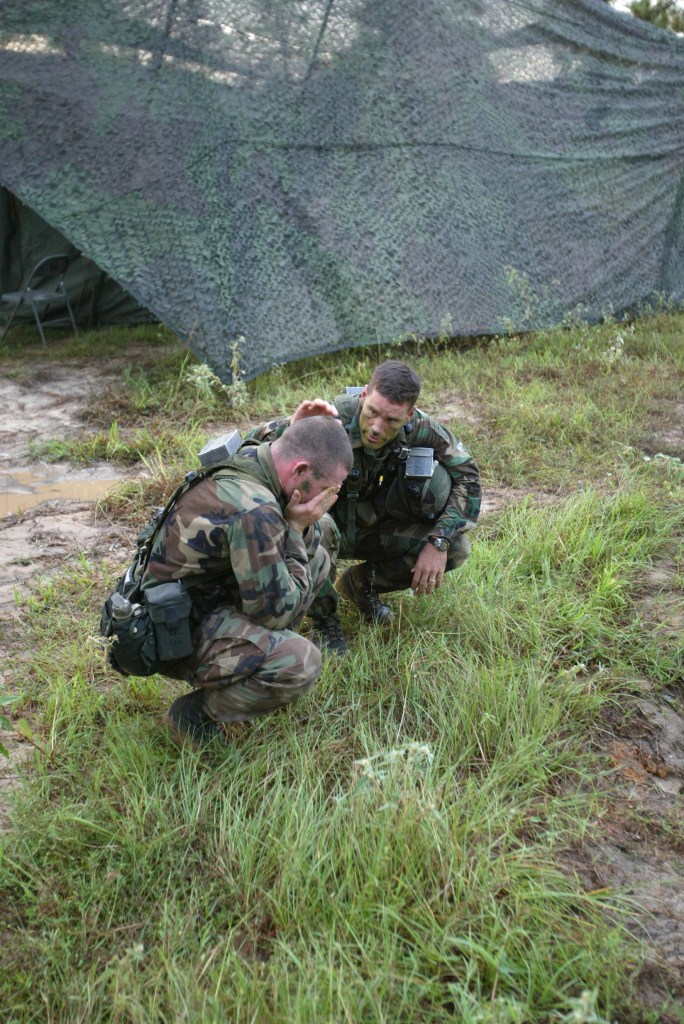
640	852
47	510
42	405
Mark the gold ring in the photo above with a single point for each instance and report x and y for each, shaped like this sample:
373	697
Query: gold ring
431	579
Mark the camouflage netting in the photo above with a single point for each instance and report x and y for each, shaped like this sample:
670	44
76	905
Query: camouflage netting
307	175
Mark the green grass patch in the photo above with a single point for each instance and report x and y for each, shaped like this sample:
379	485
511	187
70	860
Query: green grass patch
386	849
551	410
23	346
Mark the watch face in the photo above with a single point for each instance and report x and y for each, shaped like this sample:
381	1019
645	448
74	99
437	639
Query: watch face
441	543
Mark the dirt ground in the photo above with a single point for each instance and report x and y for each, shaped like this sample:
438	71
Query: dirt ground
641	851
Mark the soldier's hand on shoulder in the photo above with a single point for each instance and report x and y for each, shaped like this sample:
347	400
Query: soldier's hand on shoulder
316	407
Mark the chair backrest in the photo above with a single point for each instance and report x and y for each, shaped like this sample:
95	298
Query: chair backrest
49	266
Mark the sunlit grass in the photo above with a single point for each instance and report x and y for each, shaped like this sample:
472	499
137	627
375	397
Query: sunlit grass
383	850
389	848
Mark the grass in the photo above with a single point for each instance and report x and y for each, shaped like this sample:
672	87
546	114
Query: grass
552	409
389	849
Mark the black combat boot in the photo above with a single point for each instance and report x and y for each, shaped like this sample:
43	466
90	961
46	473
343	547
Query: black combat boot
355	586
188	723
329	636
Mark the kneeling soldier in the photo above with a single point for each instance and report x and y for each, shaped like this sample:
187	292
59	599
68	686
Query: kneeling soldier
243	542
408	503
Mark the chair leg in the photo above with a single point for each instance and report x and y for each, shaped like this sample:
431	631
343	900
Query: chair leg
71	315
38	321
11	320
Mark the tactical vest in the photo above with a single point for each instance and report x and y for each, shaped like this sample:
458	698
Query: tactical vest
153	627
387	490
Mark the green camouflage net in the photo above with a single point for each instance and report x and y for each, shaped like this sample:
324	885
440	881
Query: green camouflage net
309	175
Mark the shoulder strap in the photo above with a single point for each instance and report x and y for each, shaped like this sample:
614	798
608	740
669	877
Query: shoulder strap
148	535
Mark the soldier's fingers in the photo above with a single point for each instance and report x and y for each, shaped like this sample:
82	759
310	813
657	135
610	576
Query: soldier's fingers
433	583
319	407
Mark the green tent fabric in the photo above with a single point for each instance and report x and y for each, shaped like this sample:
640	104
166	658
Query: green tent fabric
95	298
300	176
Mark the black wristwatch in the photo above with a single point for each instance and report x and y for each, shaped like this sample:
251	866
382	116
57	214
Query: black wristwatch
441	543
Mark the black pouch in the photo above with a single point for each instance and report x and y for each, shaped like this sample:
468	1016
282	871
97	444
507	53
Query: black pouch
134	650
169	606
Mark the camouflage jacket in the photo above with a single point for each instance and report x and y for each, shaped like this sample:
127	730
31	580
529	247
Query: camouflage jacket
372	471
227	539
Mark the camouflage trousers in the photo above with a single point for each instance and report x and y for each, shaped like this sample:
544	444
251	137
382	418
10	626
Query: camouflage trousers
246	670
389	549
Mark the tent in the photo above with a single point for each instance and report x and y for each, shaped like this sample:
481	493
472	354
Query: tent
281	178
95	298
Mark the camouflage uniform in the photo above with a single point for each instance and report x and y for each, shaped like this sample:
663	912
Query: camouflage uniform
251	578
389	540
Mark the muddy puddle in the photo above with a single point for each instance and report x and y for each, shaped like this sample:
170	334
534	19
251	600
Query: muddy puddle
23	489
47	510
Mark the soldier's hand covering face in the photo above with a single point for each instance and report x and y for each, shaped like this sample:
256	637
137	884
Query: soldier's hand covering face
312	497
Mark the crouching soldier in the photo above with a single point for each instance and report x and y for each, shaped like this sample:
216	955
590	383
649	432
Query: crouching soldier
411	498
225	574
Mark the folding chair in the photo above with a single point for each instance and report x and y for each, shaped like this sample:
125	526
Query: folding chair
36	297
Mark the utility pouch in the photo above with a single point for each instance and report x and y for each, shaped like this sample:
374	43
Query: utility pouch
419	496
168	606
420	463
148	630
134	651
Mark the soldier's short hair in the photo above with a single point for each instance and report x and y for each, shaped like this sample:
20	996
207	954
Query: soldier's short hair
321	440
396	382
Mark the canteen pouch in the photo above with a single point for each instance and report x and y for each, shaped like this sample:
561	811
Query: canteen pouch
169	606
134	651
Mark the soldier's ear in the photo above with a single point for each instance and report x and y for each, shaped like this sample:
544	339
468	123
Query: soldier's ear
300	469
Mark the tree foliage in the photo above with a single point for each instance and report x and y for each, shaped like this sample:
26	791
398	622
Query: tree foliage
663	13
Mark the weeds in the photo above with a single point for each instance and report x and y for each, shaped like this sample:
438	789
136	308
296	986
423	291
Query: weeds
6	701
202	378
388	848
392	837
